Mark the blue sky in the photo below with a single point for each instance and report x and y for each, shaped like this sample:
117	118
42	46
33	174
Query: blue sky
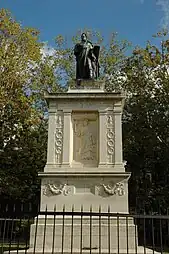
134	20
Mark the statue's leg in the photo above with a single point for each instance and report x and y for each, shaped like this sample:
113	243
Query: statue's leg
90	69
94	68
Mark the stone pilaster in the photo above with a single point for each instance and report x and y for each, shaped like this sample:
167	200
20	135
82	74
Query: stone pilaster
102	139
51	135
118	133
59	138
67	139
110	137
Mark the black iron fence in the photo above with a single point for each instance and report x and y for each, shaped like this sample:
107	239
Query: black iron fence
72	231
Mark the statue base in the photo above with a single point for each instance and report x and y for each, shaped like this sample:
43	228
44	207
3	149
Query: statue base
86	86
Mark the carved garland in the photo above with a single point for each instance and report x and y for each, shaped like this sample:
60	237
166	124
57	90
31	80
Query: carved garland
56	189
59	138
110	138
117	189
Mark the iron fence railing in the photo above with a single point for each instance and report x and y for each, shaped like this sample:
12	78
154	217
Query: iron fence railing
72	231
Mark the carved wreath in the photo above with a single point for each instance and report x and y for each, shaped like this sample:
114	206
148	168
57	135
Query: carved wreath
117	189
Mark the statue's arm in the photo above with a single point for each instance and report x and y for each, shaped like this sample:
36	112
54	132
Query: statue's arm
76	49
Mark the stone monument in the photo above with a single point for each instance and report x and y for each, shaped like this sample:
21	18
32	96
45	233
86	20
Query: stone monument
84	160
84	165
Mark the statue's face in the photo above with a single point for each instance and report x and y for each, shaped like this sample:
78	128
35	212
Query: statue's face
84	37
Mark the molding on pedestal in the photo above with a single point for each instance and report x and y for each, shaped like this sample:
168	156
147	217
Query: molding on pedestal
80	173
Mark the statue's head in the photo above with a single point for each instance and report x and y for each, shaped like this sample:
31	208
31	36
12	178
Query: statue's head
84	37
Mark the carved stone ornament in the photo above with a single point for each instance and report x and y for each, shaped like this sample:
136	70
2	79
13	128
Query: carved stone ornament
85	141
110	138
56	189
117	189
59	138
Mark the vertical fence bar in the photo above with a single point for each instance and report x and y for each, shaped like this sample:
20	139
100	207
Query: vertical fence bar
54	221
144	226
161	237
19	227
27	240
90	229
135	232
1	225
152	228
167	228
118	234
7	233
127	235
81	230
29	224
100	239
108	229
36	230
11	234
63	228
71	248
44	235
3	235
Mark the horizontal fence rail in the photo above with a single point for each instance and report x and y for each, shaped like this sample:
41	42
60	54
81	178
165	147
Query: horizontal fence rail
84	232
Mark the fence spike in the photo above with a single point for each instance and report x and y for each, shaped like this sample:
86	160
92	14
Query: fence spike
6	208
14	208
22	207
99	208
55	208
30	207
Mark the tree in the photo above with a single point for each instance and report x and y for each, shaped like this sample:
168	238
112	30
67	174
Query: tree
146	125
23	73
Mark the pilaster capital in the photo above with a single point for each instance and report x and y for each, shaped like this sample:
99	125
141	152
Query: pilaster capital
67	111
102	112
118	107
52	111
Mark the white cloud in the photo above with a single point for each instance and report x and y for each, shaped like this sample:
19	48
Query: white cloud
164	5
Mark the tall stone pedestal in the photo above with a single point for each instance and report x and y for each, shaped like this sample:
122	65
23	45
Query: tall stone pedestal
85	169
84	160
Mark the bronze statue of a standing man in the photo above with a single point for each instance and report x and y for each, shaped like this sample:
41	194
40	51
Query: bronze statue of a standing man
87	65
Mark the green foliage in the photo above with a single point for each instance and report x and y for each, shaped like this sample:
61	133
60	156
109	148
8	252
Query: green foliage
146	125
23	131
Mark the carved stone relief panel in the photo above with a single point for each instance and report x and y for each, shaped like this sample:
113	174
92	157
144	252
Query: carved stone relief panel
63	187
54	188
114	189
59	138
110	189
85	138
110	138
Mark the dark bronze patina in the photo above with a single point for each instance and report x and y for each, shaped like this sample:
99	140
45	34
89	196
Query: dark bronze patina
87	64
